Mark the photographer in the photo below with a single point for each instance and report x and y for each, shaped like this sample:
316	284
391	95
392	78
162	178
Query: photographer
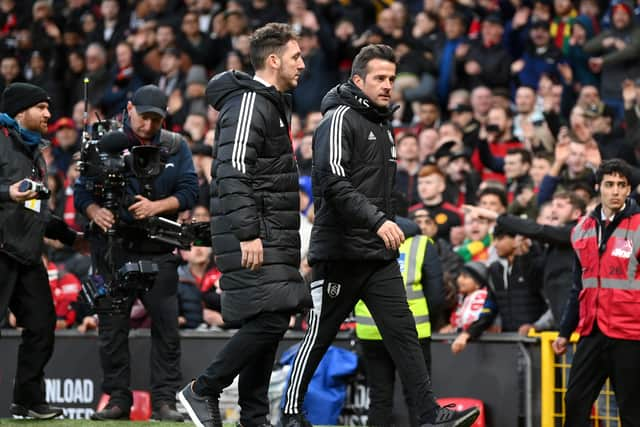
24	221
174	189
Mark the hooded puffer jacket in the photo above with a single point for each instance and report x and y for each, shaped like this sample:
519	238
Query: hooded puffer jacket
354	165
254	194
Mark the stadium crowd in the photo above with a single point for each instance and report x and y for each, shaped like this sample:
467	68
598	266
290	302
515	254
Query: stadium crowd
505	111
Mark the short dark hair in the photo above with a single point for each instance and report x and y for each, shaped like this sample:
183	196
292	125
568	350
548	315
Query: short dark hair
498	192
525	155
614	167
574	200
430	100
544	155
369	53
267	40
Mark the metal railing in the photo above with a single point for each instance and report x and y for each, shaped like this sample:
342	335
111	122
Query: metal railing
554	378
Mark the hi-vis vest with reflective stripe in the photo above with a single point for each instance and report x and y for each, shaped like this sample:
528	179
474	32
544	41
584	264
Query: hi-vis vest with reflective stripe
610	281
411	258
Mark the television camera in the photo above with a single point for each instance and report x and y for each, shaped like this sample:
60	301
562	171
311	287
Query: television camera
108	160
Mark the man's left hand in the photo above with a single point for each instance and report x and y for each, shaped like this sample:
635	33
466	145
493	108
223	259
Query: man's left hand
524	329
143	208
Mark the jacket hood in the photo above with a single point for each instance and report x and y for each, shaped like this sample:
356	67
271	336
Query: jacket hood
349	94
225	86
585	22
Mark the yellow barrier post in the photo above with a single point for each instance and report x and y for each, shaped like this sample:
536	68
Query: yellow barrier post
547	378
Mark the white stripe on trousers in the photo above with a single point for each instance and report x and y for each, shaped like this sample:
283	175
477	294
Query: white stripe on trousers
302	358
242	132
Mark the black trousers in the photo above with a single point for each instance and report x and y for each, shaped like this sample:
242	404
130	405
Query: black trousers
335	289
162	305
25	290
250	353
598	357
381	376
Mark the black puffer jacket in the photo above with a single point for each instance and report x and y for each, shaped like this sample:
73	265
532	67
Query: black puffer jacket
354	165
254	194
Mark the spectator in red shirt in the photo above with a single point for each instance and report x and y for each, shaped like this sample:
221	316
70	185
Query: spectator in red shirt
431	186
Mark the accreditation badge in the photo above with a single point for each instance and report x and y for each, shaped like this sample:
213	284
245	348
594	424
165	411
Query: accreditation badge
33	204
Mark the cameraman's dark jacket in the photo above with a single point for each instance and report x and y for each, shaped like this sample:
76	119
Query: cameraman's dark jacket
354	166
178	179
21	229
254	194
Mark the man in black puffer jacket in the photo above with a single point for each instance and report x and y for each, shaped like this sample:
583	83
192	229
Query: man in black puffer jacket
254	225
354	241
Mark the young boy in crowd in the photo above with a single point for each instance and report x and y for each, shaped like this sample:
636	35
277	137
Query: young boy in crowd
476	308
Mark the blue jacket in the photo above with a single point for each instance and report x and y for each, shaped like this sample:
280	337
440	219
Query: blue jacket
328	387
538	63
178	179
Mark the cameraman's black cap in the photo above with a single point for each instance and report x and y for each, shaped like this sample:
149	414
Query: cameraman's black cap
150	99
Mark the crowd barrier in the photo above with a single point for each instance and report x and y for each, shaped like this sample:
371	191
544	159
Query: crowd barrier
501	370
554	377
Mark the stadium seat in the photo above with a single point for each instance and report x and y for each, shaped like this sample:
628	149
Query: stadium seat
464	403
141	408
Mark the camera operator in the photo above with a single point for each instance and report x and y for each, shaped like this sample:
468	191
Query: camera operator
174	189
24	221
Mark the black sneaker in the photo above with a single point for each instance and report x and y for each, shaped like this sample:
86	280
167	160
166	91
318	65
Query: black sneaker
111	412
294	420
166	412
40	411
446	417
203	410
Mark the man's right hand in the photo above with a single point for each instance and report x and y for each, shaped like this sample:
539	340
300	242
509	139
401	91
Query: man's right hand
252	254
391	235
560	345
102	217
20	196
479	212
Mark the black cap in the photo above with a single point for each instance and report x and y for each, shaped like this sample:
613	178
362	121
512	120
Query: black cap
150	99
494	18
18	97
461	108
444	150
478	271
456	154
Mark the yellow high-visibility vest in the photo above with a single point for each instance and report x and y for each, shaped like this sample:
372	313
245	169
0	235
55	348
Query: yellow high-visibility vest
411	259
